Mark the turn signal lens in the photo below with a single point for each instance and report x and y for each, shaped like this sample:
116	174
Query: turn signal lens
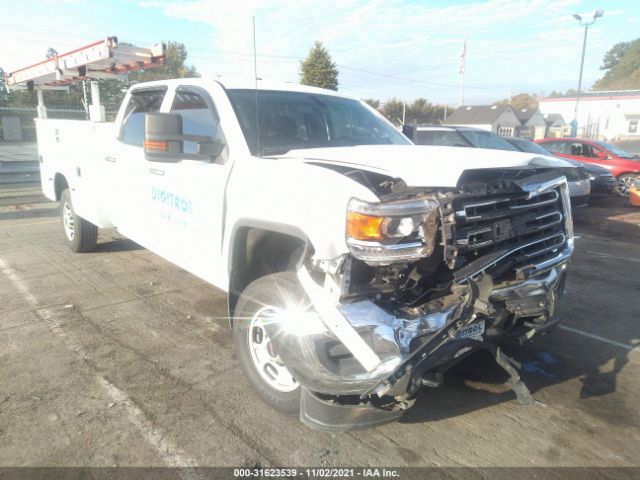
364	227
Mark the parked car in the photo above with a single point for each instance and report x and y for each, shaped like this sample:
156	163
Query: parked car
623	165
357	270
579	182
603	182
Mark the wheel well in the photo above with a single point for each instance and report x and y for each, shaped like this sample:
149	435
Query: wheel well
258	252
60	185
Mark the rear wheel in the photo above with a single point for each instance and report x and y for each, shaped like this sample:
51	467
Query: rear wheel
259	361
81	235
625	182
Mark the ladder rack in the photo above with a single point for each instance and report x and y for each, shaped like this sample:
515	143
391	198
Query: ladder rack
102	59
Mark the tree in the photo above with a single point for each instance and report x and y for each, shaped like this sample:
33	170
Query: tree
318	70
372	102
622	65
392	109
51	52
613	56
521	100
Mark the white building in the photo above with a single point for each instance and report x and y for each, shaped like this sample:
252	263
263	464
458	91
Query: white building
605	115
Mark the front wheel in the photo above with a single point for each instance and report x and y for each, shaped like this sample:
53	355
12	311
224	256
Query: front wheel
81	235
260	363
625	182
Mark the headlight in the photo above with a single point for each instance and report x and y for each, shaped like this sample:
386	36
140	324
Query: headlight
382	233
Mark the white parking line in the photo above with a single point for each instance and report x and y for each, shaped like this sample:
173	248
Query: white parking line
154	437
597	337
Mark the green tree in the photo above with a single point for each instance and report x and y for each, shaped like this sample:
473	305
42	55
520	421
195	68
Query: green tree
372	102
51	52
521	100
622	65
318	70
613	56
392	109
421	111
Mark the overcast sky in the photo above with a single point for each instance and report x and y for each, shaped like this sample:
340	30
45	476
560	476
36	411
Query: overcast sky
383	48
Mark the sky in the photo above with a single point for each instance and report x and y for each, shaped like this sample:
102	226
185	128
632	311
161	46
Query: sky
383	48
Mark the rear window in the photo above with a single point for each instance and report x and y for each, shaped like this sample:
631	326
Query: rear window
487	140
447	138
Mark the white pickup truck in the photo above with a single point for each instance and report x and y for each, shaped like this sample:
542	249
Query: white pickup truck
359	267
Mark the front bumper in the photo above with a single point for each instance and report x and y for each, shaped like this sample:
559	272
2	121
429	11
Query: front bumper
322	363
360	358
603	186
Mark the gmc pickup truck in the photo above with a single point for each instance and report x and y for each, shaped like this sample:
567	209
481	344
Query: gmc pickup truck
359	267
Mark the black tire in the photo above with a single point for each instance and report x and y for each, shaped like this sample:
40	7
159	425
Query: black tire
81	235
624	182
266	291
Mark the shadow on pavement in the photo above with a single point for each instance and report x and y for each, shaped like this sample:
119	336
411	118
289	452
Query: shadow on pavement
119	245
478	382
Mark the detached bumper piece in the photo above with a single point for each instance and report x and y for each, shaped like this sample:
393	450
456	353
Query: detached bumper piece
331	414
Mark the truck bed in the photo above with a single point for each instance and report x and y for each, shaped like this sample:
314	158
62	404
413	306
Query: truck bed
75	150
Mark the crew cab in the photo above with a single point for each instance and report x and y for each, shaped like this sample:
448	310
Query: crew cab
623	165
356	271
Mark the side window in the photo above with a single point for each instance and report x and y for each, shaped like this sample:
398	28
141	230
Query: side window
578	149
197	118
554	147
140	102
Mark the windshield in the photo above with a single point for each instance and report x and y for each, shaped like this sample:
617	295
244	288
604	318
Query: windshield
490	140
530	147
292	120
616	150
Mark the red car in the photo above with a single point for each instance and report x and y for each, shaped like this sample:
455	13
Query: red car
623	165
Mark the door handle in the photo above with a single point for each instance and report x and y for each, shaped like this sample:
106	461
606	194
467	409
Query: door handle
156	171
111	159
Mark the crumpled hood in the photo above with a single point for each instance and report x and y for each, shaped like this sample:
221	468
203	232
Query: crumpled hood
419	165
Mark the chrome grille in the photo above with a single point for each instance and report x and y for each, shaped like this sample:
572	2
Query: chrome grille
508	226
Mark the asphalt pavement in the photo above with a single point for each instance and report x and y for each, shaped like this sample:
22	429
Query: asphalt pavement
118	358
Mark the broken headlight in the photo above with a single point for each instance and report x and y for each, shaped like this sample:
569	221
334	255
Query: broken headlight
389	232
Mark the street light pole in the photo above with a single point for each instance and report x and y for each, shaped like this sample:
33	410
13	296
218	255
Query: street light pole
596	14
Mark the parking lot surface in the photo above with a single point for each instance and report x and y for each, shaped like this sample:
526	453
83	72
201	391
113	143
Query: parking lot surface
118	358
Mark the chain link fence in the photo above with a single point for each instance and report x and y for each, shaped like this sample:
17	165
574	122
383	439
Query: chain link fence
17	123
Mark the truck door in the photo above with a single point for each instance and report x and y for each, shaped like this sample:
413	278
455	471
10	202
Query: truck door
187	196
125	168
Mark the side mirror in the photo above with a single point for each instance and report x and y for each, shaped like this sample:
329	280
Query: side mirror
164	140
601	156
163	137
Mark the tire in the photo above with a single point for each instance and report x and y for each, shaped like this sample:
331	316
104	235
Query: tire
81	235
268	291
624	182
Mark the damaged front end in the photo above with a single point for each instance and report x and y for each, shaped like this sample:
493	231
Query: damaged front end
432	276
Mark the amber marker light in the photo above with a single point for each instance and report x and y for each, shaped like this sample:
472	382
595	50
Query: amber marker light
364	227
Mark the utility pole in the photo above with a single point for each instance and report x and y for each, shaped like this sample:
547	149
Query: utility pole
463	61
596	14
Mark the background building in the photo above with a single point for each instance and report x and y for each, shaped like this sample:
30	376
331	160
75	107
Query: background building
500	119
609	115
533	124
